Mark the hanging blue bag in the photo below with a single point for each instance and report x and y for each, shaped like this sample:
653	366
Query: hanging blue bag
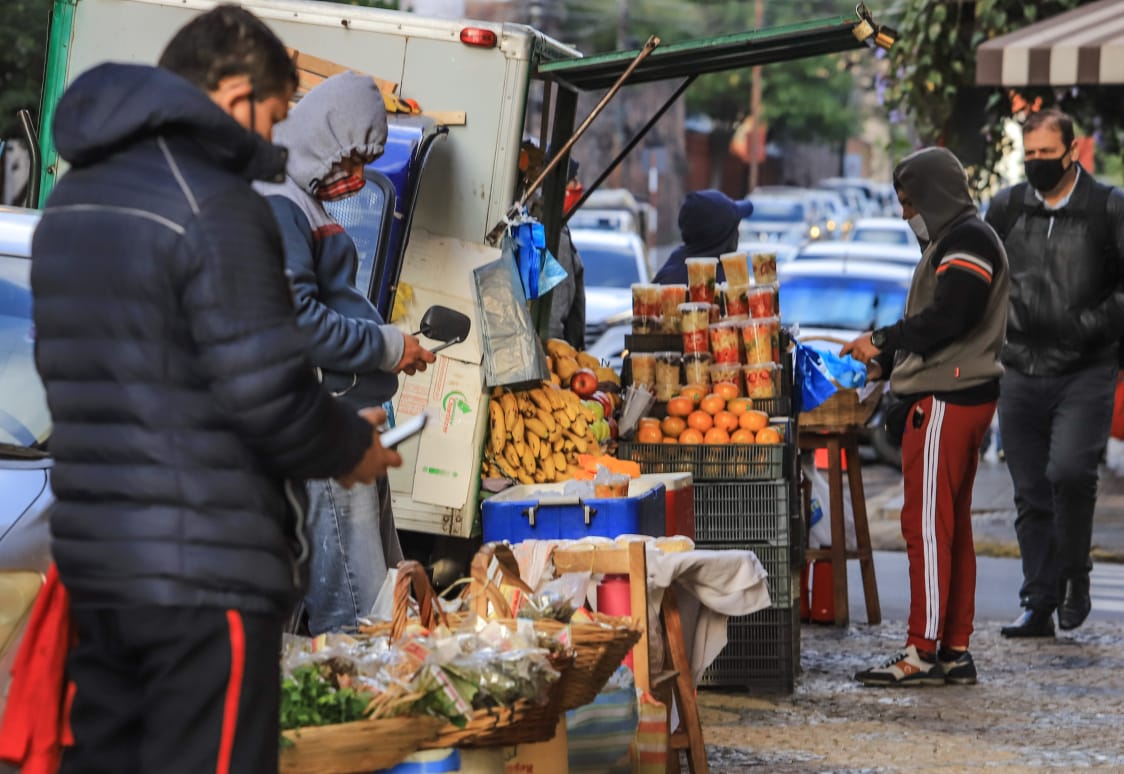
815	380
846	371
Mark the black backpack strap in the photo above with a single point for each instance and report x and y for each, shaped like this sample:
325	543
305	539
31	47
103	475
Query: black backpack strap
1016	206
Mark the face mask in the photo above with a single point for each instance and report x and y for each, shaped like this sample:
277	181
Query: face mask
340	185
1045	174
917	223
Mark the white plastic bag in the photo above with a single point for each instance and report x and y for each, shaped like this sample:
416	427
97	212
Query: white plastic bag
819	533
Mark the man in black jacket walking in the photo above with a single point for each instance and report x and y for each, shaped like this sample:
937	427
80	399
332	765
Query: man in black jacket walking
1064	235
183	402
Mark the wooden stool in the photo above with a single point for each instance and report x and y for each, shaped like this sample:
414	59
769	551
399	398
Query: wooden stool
664	684
837	441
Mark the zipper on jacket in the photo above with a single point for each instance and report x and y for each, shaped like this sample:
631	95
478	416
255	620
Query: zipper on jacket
302	541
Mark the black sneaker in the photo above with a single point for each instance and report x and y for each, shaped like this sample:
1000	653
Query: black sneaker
905	669
960	670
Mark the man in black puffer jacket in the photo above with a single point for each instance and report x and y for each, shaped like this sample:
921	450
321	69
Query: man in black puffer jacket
1064	234
183	402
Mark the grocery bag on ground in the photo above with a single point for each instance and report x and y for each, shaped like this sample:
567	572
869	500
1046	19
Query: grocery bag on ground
819	533
600	734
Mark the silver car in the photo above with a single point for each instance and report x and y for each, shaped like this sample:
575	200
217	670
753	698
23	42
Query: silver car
613	262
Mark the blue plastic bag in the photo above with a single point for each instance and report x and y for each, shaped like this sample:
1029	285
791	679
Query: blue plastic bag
815	380
845	370
539	271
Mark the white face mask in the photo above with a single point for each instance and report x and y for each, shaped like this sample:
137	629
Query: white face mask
917	223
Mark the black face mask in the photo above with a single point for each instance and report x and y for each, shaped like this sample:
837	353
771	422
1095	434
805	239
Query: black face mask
1045	174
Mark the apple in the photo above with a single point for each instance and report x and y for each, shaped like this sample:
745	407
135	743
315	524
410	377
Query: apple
583	382
600	430
596	407
613	428
606	402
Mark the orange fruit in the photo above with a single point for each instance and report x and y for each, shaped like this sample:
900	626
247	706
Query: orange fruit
694	392
713	403
753	420
691	435
680	406
649	434
739	406
726	421
741	435
649	422
700	420
716	435
670	439
673	426
727	390
768	435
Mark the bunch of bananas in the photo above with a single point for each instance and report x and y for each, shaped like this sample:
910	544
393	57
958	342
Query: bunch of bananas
564	361
536	435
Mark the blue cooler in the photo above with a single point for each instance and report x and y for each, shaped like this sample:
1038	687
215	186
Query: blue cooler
543	512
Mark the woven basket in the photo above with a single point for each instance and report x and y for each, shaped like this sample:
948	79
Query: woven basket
599	647
363	745
843	409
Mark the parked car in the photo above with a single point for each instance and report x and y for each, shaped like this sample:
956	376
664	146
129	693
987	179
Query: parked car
777	218
850	250
25	426
884	231
841	299
613	262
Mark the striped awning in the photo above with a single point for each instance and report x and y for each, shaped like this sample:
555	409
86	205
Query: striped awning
1084	47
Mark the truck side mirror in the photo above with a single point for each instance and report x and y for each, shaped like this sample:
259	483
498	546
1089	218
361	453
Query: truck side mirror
444	324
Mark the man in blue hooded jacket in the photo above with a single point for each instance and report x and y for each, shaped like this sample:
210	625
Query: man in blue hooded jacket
708	223
183	403
332	134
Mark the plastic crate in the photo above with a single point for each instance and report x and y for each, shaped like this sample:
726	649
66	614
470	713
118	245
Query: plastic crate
749	511
762	654
783	580
774	407
708	462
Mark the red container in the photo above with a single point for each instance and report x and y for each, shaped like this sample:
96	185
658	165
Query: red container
823	592
680	501
614	598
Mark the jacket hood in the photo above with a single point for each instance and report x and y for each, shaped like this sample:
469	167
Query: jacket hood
709	219
938	187
113	104
340	116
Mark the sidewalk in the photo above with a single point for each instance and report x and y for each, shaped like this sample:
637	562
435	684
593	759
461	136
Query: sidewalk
993	511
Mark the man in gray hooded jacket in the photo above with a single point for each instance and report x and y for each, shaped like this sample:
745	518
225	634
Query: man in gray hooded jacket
943	361
332	134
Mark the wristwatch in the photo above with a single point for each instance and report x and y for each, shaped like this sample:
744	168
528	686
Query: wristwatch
878	338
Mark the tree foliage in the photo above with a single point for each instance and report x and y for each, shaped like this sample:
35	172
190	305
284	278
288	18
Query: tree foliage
23	47
933	74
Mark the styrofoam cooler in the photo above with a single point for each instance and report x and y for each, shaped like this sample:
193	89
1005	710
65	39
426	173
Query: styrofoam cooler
680	502
545	512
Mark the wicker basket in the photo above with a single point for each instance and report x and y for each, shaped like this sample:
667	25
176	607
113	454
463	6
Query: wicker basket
364	745
844	408
599	647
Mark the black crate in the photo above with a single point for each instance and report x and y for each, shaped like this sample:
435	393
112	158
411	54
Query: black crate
717	462
780	406
743	511
783	578
762	654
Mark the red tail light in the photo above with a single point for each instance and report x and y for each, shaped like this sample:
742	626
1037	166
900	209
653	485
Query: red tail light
475	36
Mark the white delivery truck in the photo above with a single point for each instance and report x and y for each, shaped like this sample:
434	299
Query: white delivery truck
449	174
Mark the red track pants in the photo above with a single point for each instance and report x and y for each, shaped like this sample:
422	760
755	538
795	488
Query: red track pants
940	453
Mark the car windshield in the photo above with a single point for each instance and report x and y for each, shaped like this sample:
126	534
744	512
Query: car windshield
787	210
608	265
24	419
848	303
882	236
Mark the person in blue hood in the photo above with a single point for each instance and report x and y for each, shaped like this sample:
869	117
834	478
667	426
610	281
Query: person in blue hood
708	223
183	402
332	134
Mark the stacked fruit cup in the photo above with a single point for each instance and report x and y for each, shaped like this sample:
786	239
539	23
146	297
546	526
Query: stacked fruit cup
646	308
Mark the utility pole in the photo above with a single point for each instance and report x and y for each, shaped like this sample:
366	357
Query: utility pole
755	101
619	180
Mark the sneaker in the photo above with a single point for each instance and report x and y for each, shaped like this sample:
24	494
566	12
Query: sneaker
959	671
906	668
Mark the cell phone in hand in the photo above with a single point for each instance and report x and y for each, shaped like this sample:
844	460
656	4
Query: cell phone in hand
399	433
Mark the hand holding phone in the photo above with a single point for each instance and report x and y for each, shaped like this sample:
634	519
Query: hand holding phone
399	433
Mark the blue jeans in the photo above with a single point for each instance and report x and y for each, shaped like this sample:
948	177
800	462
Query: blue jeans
353	541
1055	429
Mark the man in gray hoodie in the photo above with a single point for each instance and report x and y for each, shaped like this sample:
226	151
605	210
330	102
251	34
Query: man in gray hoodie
943	363
332	134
